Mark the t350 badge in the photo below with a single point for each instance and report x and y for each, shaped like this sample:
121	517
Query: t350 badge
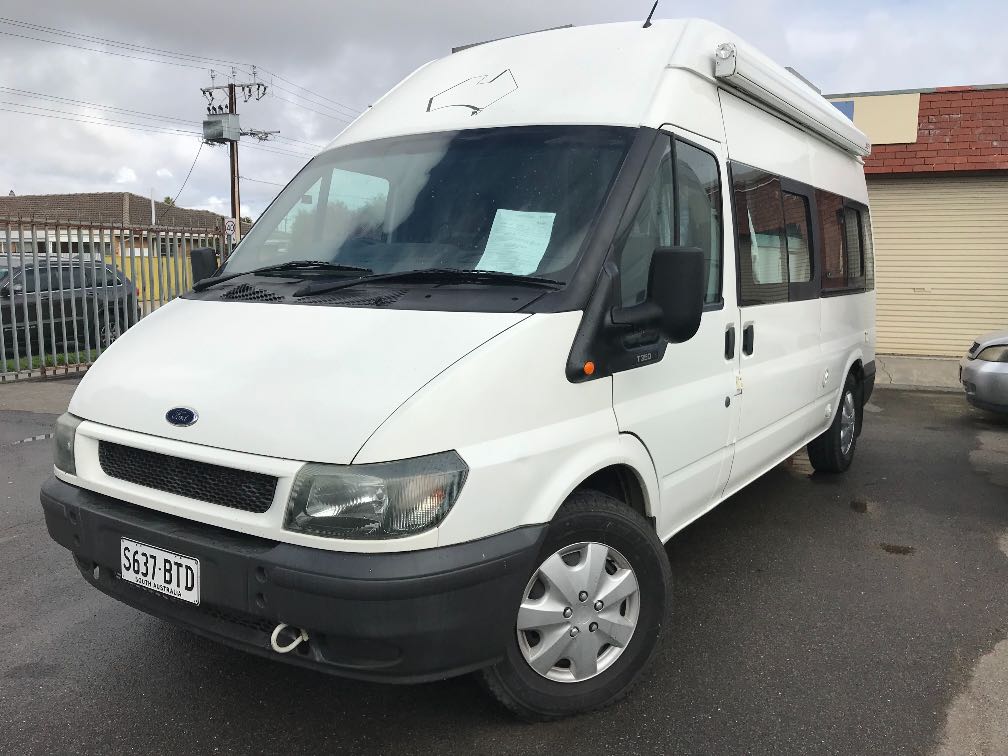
476	93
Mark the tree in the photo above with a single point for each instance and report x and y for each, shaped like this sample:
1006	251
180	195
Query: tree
169	201
246	219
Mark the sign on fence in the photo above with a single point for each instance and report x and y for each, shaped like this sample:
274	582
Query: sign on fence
230	231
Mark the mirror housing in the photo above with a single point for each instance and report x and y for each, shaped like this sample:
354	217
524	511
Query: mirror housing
675	295
203	262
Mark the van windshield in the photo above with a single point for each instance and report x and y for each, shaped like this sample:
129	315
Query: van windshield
513	200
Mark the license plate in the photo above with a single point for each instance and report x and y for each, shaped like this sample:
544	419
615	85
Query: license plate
158	570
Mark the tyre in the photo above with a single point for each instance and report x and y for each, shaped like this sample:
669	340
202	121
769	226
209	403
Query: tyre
833	451
590	616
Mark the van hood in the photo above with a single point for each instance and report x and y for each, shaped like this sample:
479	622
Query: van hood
296	382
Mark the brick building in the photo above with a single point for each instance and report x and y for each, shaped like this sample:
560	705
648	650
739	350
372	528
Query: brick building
107	209
109	222
938	185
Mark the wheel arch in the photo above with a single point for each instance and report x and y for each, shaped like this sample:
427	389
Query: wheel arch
621	482
626	473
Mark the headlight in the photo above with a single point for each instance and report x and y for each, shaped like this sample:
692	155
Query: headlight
382	500
994	354
63	452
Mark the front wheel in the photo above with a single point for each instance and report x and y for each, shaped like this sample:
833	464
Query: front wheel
591	613
833	451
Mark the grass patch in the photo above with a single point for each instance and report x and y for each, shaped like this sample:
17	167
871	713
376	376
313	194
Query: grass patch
10	365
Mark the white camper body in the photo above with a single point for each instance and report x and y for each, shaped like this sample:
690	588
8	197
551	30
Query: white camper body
388	452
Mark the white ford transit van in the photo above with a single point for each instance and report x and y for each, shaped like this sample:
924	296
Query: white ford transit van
546	303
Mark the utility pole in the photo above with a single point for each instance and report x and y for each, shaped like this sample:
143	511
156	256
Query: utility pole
221	126
235	194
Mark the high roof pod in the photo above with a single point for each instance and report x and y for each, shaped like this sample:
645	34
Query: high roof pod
613	74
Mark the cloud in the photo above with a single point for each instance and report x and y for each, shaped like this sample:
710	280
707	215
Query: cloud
821	43
125	175
350	53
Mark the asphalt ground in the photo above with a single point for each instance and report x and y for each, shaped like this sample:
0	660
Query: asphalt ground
862	613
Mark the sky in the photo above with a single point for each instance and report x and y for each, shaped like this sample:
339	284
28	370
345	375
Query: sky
336	57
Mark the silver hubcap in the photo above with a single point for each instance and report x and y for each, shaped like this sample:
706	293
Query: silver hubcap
848	418
108	334
578	612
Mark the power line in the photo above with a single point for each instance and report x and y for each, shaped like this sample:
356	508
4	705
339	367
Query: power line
186	60
342	109
106	52
198	151
42	95
319	112
345	114
322	96
115	123
80	36
129	125
314	145
344	120
260	181
277	151
145	114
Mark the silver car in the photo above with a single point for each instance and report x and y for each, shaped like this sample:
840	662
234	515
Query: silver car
984	372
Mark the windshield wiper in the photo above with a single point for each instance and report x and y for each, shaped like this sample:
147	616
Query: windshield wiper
206	283
436	275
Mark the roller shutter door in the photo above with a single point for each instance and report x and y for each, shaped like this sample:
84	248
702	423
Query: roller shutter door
941	262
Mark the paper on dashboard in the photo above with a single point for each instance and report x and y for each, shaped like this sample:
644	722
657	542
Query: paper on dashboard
517	241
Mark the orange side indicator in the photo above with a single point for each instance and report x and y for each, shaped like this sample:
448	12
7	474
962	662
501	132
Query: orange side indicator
589	367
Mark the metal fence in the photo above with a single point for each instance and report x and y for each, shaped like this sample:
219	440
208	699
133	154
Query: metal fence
69	289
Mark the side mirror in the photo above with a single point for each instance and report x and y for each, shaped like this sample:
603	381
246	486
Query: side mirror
675	295
8	290
204	263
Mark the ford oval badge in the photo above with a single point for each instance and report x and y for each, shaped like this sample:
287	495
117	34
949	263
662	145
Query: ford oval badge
182	417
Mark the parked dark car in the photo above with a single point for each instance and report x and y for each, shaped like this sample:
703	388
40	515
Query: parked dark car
60	303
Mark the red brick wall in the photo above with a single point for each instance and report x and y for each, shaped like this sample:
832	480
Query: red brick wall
958	129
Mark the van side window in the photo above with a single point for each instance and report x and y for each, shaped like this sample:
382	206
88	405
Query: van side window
796	228
698	195
852	243
652	227
762	252
831	235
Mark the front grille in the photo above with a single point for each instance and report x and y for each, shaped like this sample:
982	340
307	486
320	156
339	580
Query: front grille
238	489
247	293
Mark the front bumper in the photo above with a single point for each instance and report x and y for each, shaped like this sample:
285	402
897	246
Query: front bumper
396	617
985	383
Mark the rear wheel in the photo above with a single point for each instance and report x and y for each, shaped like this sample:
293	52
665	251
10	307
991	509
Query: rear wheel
591	613
833	451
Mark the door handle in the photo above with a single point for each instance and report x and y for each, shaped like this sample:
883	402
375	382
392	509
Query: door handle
729	342
748	339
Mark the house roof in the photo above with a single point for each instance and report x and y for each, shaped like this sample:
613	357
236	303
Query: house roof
106	208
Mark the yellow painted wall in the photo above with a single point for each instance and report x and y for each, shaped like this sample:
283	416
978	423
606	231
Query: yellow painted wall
888	118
